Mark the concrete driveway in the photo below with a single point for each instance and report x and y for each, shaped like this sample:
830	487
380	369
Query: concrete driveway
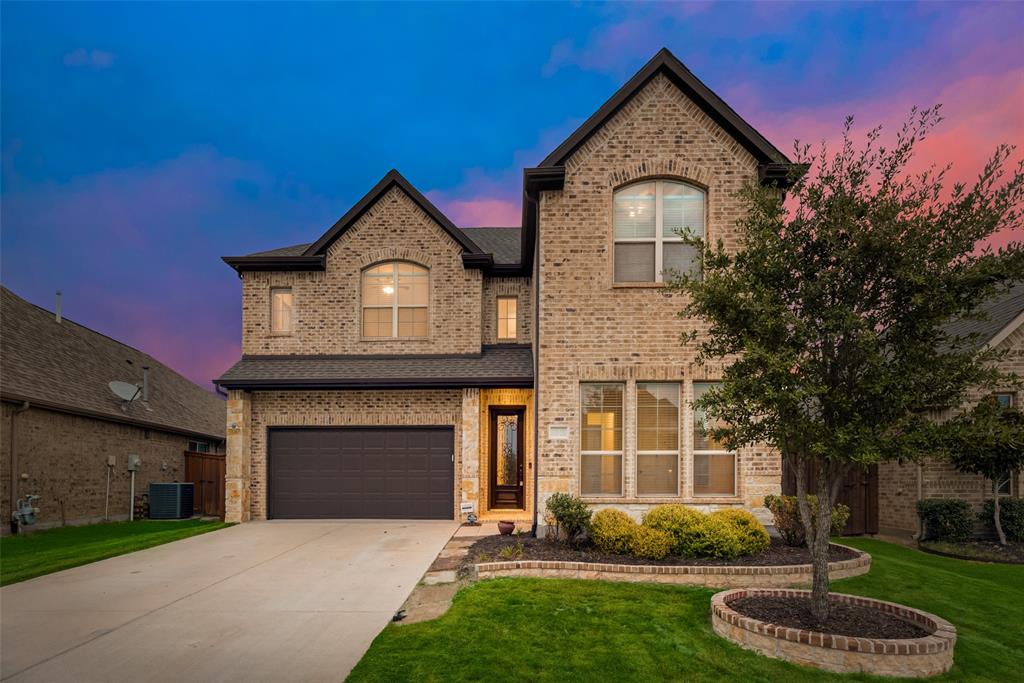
264	601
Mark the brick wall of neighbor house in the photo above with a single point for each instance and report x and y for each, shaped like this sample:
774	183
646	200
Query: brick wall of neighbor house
591	330
518	287
65	458
898	486
345	408
327	303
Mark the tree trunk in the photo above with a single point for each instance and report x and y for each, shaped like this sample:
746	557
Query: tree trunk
995	513
817	524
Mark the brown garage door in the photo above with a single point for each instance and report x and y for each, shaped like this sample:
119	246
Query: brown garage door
366	473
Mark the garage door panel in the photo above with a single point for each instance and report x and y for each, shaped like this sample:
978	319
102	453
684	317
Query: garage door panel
386	472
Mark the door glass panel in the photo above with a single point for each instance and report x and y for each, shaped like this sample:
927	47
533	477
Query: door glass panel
507	468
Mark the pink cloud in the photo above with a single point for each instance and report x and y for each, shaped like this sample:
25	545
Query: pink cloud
93	59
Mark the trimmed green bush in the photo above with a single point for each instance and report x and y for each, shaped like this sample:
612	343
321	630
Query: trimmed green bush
571	515
786	514
650	543
753	536
715	536
612	531
945	519
678	521
1011	517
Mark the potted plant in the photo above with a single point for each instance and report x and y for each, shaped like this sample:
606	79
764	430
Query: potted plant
506	527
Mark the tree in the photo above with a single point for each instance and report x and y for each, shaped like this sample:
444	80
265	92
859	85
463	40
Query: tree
989	440
830	315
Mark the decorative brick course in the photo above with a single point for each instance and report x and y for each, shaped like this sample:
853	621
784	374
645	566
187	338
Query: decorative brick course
907	658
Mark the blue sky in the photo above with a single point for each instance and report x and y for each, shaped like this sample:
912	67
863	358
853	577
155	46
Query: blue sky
140	142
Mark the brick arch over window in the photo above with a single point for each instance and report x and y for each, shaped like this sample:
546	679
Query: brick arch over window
414	256
667	169
395	298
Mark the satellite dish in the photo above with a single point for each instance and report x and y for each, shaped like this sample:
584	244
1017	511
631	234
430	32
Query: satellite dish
125	391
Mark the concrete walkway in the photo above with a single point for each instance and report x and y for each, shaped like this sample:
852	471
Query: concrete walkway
264	601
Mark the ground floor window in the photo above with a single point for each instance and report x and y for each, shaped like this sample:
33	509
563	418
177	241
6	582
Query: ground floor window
714	466
601	439
657	438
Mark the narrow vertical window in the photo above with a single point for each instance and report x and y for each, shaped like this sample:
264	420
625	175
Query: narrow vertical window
1004	486
601	439
507	306
657	438
281	318
714	466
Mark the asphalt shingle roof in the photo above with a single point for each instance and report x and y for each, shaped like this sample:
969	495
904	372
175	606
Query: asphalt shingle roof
997	314
504	243
65	365
511	364
294	250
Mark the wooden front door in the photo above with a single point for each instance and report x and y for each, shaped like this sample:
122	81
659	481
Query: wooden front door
206	471
859	492
506	461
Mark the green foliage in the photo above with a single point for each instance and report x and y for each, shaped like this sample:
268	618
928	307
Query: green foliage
714	536
612	531
786	514
753	536
678	521
1011	514
571	515
945	519
650	543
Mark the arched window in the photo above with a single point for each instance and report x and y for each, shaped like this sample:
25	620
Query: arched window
648	218
395	300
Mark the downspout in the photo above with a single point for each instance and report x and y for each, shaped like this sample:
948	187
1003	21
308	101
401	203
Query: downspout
13	458
536	366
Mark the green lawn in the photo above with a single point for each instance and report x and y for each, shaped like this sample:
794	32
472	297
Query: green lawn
555	630
42	552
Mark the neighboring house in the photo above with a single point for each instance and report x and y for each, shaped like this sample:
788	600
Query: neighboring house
901	485
400	366
62	426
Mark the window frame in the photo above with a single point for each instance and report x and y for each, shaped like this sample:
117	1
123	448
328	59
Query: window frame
621	453
679	442
659	240
275	289
1012	474
395	306
514	318
694	451
195	446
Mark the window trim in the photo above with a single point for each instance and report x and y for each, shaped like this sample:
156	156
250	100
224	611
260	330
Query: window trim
679	442
395	306
515	317
659	240
694	452
621	453
291	330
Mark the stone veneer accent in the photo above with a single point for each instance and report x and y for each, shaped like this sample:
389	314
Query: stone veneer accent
907	658
692	575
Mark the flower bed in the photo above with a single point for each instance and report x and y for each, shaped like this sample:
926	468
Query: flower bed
928	654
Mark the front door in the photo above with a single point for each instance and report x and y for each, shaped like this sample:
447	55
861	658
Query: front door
507	458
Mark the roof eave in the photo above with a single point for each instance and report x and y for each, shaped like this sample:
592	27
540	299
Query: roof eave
249	263
377	383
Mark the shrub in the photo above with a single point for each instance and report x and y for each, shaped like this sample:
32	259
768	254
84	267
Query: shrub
753	536
571	515
715	536
786	514
612	531
678	521
945	519
1011	517
650	543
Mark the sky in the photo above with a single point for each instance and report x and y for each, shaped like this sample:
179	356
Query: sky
141	142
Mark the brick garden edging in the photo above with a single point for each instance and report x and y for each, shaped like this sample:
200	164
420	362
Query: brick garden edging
726	576
906	657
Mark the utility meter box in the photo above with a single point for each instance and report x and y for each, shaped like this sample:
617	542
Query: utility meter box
133	463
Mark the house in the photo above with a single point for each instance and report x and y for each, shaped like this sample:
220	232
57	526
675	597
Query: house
401	366
67	437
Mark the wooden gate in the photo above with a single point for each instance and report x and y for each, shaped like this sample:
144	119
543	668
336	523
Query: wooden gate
859	492
206	471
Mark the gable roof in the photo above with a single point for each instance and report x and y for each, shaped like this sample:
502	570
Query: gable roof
664	62
65	366
1000	317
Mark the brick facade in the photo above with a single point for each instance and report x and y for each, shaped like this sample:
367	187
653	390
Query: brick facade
518	287
64	460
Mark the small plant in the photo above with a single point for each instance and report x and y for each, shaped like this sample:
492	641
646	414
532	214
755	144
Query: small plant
612	531
786	514
483	557
753	537
650	543
512	552
1011	513
572	516
678	521
945	519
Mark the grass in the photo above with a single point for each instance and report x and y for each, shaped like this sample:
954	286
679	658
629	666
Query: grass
43	552
554	630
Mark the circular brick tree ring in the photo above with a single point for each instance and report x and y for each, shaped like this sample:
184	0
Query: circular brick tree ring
905	657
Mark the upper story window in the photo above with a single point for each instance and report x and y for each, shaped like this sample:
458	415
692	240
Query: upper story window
281	319
395	300
648	219
507	308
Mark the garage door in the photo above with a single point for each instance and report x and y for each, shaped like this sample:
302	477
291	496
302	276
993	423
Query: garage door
367	473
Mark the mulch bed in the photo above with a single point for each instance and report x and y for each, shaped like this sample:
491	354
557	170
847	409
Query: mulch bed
541	549
978	550
844	619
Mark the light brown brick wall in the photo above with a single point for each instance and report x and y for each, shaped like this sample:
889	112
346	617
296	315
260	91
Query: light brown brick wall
65	458
591	329
507	286
327	304
346	408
